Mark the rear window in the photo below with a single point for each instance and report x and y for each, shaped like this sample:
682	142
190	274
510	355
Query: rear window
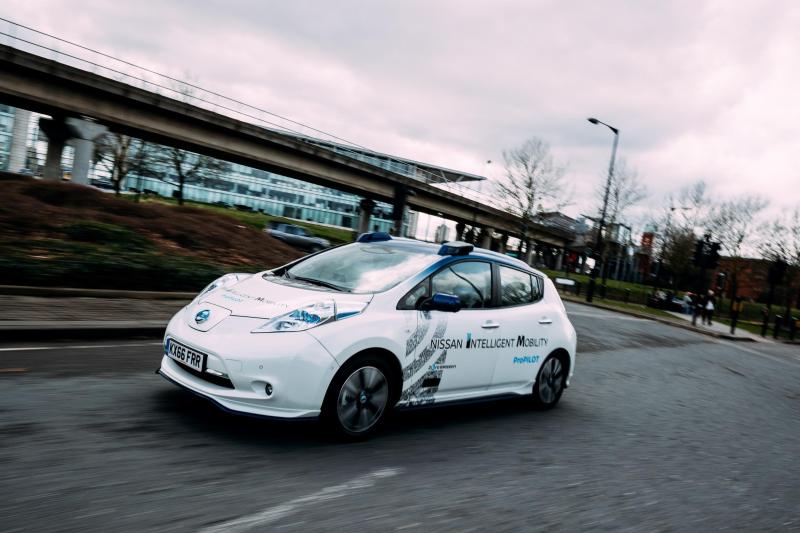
364	267
518	287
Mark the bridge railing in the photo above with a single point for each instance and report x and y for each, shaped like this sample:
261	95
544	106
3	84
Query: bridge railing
69	53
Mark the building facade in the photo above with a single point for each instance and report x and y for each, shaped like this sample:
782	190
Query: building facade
258	190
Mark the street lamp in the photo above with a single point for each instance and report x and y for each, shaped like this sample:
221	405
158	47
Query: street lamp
598	249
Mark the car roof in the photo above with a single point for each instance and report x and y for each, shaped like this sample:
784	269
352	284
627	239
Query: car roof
482	253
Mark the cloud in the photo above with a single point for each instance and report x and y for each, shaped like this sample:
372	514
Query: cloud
698	89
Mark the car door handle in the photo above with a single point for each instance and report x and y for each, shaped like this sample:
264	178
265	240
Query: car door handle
490	324
545	320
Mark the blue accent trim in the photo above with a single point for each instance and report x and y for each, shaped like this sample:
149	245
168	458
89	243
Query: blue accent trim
376	236
502	397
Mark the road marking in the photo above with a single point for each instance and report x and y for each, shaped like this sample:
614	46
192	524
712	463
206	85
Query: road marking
273	514
605	317
76	347
738	346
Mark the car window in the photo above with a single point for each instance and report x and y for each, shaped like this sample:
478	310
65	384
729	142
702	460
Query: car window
361	267
537	286
516	287
471	281
414	296
301	231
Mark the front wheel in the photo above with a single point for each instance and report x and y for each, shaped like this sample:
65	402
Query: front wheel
358	398
550	383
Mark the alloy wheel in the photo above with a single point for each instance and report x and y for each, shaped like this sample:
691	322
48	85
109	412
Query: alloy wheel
362	399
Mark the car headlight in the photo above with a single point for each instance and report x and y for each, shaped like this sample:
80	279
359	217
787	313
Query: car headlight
311	315
221	282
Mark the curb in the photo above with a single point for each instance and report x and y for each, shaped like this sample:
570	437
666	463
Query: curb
48	331
668	322
60	292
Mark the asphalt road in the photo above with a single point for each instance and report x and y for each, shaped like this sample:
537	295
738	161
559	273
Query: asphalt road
662	429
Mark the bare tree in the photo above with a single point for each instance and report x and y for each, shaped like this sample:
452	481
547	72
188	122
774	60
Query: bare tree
625	190
781	241
733	224
183	167
682	216
122	155
533	181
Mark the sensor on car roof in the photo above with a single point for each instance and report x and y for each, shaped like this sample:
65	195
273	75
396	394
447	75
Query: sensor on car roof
456	248
375	236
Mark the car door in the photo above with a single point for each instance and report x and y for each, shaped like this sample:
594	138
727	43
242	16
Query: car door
525	319
462	348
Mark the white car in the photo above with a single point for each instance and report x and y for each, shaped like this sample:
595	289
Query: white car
349	333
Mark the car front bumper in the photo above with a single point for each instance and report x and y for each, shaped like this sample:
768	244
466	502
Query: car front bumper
295	365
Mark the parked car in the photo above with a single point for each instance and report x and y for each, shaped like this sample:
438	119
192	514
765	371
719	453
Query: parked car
665	301
298	237
352	332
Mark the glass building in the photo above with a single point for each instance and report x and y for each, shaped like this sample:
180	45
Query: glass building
6	129
272	194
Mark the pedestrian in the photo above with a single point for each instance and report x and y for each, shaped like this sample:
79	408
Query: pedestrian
697	307
688	303
708	308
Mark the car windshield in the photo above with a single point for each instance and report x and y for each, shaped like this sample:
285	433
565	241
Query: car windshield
363	267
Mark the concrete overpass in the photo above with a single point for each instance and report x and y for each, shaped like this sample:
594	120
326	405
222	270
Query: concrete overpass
33	82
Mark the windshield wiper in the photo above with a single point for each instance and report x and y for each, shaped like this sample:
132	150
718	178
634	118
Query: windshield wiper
320	283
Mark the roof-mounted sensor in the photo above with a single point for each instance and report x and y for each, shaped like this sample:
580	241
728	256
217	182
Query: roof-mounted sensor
456	248
375	236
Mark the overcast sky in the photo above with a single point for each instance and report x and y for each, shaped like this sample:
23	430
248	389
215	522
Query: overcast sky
700	90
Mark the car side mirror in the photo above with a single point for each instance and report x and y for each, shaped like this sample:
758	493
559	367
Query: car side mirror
449	303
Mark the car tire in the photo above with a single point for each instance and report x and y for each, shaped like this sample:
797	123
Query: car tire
316	248
358	398
550	382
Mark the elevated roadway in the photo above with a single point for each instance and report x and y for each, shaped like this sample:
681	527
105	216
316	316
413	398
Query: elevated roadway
33	82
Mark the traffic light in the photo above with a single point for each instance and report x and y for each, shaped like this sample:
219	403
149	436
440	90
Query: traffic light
699	253
721	277
713	255
776	272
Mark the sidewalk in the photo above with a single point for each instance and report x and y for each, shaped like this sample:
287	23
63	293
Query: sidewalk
720	328
48	318
675	319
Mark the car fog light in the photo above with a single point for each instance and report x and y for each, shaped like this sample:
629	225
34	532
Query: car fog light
268	389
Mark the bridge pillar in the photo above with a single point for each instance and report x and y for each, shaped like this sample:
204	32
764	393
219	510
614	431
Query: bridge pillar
460	227
399	208
486	238
559	259
85	133
366	207
503	244
57	134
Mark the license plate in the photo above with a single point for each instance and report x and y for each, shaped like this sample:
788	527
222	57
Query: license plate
187	356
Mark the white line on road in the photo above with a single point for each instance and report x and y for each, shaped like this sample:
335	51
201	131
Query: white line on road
792	358
273	514
76	347
605	317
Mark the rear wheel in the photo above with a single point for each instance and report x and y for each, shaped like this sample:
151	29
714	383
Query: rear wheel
550	383
358	398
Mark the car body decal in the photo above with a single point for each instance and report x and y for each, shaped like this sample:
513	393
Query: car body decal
416	393
416	338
